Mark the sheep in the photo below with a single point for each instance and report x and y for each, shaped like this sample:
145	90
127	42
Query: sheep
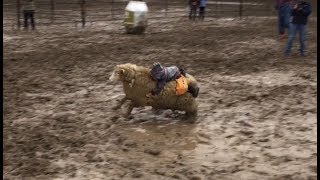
137	83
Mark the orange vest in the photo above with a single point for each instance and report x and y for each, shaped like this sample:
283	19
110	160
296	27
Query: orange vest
181	85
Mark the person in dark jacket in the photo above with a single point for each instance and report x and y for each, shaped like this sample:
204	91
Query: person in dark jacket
165	74
300	14
193	4
283	7
28	13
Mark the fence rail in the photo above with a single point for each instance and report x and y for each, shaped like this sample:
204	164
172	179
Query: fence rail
51	12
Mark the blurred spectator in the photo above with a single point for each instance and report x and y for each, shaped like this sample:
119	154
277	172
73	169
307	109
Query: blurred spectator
202	8
28	13
283	7
193	9
300	13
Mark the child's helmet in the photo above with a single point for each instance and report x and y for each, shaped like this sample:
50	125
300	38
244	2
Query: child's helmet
157	71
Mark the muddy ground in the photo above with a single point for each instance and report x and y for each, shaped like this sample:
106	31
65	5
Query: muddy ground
256	118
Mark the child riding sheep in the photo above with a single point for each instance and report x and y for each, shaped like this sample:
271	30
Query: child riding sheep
163	75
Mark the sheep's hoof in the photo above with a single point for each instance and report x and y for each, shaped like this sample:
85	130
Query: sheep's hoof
128	117
191	117
191	113
156	111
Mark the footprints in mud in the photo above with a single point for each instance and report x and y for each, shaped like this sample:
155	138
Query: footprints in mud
203	138
130	144
246	132
161	161
244	123
92	156
152	151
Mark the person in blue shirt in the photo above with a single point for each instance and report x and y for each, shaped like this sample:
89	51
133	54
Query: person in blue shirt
300	14
202	7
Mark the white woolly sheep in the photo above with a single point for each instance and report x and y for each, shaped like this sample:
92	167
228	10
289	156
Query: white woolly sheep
137	82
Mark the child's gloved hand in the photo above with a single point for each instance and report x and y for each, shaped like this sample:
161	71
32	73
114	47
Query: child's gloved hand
182	71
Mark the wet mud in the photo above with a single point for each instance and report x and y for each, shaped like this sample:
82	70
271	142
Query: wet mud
256	117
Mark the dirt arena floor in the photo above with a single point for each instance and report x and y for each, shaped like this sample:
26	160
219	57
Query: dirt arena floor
256	118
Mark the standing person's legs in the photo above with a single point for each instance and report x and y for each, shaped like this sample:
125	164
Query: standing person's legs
190	12
286	18
280	21
302	37
194	13
292	34
32	20
201	13
25	17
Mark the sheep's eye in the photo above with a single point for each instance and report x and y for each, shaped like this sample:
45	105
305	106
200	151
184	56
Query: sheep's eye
121	71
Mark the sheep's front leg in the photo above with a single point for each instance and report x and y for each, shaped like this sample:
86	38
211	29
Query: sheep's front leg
191	114
122	101
156	111
129	110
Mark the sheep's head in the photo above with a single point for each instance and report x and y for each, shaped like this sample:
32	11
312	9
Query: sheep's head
123	73
117	74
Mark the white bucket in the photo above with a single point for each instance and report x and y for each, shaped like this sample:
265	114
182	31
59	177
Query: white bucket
135	19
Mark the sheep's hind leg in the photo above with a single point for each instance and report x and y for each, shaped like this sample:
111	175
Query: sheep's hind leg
122	101
191	116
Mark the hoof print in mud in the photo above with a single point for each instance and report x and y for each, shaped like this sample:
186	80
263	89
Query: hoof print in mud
137	174
130	144
154	152
195	178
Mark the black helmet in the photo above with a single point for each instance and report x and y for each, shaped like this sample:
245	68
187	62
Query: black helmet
157	71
